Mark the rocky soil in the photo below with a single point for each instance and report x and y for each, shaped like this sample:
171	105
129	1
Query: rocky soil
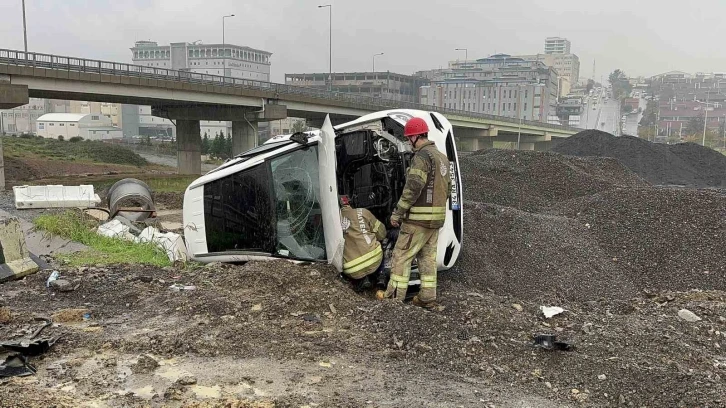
638	270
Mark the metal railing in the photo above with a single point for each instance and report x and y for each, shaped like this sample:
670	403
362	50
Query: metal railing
278	91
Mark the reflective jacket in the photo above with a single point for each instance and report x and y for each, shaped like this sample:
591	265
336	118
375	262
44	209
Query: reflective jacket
362	253
428	186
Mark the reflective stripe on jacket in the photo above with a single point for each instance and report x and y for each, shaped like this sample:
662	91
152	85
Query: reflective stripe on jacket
428	185
362	253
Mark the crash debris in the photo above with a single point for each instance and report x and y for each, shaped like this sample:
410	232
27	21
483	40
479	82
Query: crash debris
55	196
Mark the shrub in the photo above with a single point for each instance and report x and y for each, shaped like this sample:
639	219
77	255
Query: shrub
75	139
61	138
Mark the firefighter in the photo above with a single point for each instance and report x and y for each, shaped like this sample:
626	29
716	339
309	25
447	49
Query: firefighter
420	212
362	253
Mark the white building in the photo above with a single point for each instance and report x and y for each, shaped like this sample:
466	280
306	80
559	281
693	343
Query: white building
238	61
229	60
22	119
68	125
557	45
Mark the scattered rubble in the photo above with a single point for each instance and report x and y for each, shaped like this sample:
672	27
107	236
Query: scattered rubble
686	164
688	316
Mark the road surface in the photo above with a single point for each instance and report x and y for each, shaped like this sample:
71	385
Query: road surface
631	123
602	113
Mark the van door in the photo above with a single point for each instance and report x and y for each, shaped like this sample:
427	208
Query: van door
329	196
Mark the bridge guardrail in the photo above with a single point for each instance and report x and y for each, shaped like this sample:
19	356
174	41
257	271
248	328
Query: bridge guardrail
40	60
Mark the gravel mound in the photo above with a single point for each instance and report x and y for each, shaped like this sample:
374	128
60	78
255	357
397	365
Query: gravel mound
532	180
686	164
543	225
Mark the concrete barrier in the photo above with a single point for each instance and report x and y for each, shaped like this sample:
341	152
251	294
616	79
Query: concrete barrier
14	255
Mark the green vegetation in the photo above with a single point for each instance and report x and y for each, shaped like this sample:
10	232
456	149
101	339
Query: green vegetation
172	184
104	251
219	147
620	83
86	151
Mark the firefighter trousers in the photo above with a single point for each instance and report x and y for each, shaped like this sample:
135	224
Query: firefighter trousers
414	242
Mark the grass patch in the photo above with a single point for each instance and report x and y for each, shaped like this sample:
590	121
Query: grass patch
86	151
171	184
104	251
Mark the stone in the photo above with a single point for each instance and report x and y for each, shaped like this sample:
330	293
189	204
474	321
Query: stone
517	306
5	315
62	285
423	347
70	315
187	380
587	328
257	307
144	365
602	377
688	316
621	399
548	384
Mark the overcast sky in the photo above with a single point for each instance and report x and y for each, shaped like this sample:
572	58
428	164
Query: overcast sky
639	37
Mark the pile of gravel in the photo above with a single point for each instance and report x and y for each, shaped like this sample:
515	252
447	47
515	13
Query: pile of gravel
543	225
532	180
686	164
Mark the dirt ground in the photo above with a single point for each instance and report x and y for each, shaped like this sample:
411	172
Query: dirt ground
293	336
626	261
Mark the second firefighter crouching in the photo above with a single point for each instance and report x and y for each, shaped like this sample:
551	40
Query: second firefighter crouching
362	253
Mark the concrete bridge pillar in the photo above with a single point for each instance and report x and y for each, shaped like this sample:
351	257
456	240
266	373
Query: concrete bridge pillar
526	146
244	136
189	147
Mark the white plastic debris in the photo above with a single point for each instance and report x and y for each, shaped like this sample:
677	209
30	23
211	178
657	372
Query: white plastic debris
171	243
116	229
178	287
688	316
55	196
550	311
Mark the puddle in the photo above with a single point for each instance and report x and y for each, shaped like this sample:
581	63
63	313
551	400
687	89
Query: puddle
171	373
144	392
206	392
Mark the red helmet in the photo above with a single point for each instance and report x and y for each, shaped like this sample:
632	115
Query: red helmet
415	127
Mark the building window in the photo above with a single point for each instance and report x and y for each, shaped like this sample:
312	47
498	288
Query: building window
61	124
525	106
51	124
526	92
73	124
41	125
94	117
515	106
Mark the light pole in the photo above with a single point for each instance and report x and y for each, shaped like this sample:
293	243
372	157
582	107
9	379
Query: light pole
330	44
374	61
224	49
466	53
25	31
705	119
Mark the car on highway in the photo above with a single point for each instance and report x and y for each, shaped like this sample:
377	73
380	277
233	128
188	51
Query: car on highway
279	200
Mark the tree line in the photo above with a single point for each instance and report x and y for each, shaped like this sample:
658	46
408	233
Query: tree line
218	147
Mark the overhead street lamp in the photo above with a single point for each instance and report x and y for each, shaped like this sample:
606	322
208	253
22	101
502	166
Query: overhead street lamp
466	53
25	31
330	42
374	61
224	49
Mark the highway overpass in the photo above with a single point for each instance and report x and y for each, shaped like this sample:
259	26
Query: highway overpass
188	97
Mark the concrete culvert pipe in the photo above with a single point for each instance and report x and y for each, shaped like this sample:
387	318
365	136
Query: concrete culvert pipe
131	193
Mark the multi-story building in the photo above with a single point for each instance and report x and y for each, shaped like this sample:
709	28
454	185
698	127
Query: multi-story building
228	60
23	119
557	45
215	59
498	85
385	85
566	65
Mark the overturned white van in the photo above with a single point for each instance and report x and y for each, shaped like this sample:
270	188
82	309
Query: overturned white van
280	199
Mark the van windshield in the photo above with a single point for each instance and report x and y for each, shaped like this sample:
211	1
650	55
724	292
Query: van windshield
297	204
271	208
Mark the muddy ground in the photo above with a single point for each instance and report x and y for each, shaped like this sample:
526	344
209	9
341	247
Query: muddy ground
622	258
293	336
